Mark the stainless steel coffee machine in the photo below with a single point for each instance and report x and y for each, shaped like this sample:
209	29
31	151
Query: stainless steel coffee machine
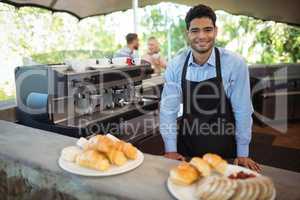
78	101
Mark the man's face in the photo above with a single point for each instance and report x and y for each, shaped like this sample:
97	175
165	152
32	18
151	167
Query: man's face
153	46
135	44
202	34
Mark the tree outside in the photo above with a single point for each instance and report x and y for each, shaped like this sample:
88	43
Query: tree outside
34	35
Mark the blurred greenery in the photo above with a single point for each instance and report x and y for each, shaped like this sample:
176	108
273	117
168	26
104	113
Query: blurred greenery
261	42
60	56
4	96
280	44
45	37
157	23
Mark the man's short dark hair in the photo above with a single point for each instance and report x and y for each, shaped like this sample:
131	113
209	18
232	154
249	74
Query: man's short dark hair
200	11
130	37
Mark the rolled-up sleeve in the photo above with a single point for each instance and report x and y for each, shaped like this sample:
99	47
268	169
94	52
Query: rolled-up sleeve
242	107
169	107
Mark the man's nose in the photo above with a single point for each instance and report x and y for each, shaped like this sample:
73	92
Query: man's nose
201	34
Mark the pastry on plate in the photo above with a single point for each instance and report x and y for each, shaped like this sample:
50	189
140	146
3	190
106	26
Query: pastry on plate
93	159
201	165
82	143
101	143
116	157
224	188
184	174
128	149
216	162
70	153
259	187
216	188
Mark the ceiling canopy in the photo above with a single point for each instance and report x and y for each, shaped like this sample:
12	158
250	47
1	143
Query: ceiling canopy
286	11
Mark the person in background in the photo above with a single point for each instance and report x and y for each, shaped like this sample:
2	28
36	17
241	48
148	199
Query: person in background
153	56
132	47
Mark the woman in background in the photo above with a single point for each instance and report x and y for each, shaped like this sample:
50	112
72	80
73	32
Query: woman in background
153	56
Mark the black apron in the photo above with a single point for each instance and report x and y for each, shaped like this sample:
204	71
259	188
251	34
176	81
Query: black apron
207	124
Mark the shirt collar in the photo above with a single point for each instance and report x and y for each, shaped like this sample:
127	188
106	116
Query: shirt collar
211	60
128	50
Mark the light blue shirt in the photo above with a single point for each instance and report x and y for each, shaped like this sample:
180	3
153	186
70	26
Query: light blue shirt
126	52
236	83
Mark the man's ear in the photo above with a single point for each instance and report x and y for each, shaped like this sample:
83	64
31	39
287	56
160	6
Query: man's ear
187	37
186	33
216	31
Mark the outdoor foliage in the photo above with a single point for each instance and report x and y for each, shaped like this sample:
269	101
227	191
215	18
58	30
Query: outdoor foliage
37	35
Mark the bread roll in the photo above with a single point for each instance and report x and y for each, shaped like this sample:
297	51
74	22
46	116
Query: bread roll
82	143
101	143
221	166
212	159
202	166
70	153
93	159
128	149
184	174
216	162
116	157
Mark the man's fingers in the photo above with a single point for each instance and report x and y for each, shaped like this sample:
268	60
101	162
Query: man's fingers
251	166
254	166
257	167
180	157
174	156
249	163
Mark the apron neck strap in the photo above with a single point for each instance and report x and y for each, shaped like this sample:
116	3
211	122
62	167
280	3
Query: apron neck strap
183	76
218	66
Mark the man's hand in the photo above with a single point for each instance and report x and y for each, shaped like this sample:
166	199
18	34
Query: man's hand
247	162
174	156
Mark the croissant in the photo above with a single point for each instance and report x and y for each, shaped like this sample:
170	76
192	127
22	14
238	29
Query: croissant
99	142
116	157
93	159
128	149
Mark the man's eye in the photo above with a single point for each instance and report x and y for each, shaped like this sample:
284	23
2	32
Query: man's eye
194	30
208	30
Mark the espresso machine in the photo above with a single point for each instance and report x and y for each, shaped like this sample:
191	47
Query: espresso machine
59	99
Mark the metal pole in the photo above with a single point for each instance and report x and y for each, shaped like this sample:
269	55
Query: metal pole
168	26
169	43
135	6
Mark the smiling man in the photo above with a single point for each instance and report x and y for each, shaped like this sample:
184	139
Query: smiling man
213	85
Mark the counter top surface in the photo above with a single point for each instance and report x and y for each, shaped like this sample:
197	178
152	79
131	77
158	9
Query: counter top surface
40	149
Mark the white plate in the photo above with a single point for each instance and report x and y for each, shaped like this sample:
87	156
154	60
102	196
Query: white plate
113	169
187	192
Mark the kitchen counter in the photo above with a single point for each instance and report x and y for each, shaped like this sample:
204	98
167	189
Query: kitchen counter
28	167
